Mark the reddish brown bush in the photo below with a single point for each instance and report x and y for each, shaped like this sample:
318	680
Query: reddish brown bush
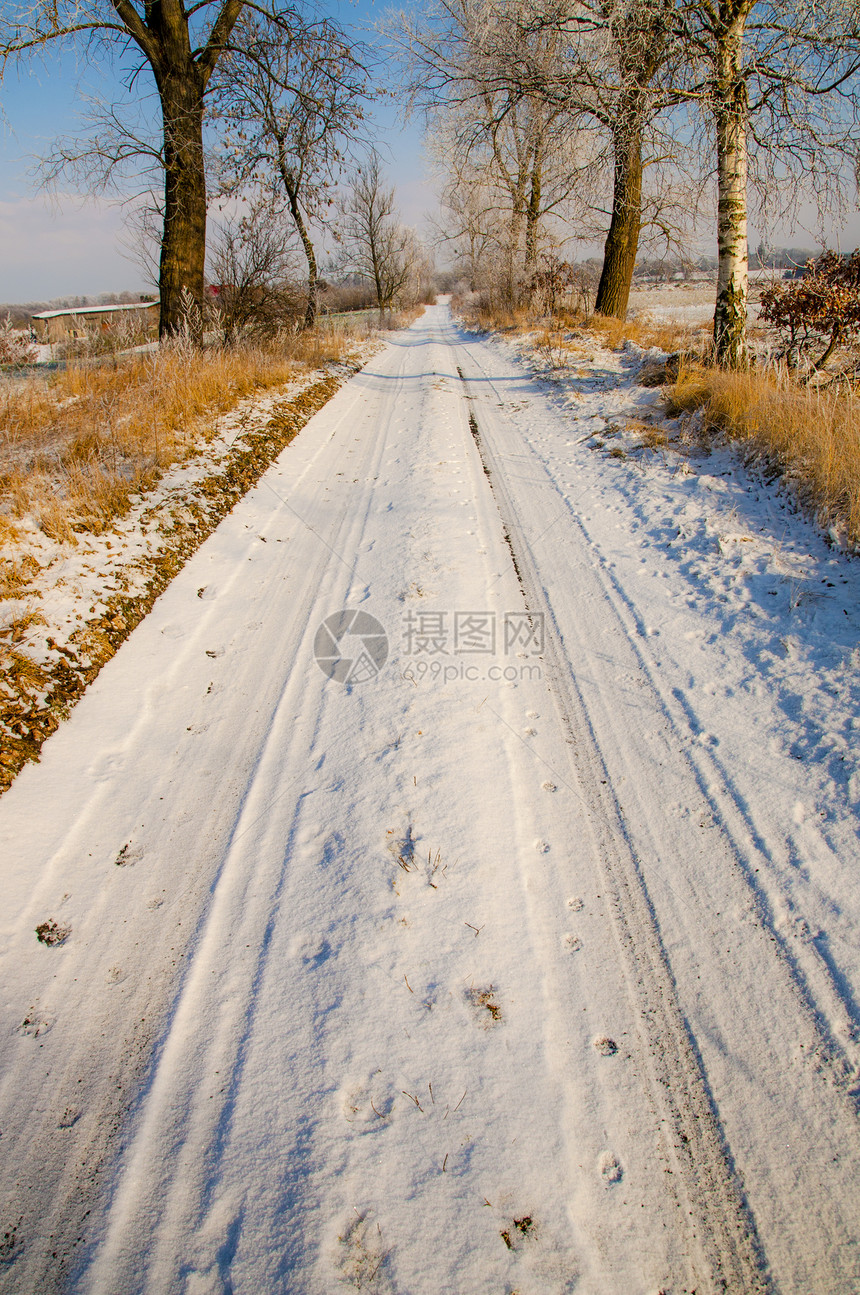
818	312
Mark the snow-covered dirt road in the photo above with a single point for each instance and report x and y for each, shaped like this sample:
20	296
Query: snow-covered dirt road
474	941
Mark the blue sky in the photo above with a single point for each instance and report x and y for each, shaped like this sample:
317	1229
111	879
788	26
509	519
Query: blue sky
67	245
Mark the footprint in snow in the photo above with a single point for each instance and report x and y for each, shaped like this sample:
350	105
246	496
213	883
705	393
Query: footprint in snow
104	768
483	999
609	1168
36	1023
519	1230
361	1256
128	855
804	932
605	1046
52	933
368	1104
311	949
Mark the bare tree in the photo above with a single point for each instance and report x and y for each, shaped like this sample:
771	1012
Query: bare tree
465	61
292	109
252	267
781	77
471	225
375	244
181	48
611	64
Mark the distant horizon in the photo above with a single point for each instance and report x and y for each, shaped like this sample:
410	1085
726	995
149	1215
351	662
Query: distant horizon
92	300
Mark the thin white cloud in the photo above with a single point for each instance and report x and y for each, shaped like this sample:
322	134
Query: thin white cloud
61	248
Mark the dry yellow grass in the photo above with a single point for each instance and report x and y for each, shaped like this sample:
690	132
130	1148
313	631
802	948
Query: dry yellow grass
669	337
37	691
811	436
76	447
569	329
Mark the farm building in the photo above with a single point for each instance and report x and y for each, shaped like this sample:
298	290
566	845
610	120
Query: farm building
59	325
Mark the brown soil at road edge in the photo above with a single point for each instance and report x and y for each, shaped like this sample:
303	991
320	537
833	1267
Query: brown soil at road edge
36	698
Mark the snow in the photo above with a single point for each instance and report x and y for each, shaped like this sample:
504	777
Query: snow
73	582
530	966
691	304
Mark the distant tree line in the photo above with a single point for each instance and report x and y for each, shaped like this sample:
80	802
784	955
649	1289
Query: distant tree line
599	119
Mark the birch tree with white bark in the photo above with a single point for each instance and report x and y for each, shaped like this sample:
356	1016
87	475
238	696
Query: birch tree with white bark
779	83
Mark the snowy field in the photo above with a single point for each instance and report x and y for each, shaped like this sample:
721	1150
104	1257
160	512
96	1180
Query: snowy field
688	304
499	936
691	304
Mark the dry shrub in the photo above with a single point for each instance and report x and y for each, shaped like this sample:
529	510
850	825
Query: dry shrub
609	332
494	317
77	446
408	315
812	436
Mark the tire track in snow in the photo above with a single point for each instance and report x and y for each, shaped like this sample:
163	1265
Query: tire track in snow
723	1224
165	1177
379	1126
802	1253
517	1112
828	1003
52	1212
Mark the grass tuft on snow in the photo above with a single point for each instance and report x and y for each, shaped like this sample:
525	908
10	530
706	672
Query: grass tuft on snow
808	435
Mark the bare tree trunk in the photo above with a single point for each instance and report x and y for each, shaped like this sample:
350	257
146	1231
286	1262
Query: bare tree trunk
377	275
513	251
310	255
533	215
731	113
183	247
622	240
